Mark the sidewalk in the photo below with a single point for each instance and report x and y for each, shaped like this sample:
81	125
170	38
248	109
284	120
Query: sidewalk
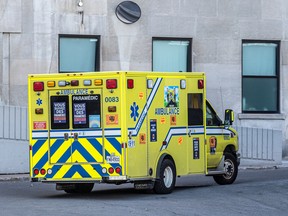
261	164
245	164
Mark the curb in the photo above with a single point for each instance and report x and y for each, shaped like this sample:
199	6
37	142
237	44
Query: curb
15	177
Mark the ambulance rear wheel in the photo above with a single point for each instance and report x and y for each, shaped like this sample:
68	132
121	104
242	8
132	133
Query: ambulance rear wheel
230	168
167	178
81	188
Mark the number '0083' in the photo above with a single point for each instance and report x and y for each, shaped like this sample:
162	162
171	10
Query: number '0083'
111	99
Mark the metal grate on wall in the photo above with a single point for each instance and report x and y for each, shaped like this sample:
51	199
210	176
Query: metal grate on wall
260	143
13	123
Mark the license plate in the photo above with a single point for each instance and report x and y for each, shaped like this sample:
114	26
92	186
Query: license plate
113	159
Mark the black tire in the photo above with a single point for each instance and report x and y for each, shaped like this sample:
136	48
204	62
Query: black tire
81	188
231	170
167	178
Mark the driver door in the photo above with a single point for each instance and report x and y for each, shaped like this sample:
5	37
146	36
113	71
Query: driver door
214	136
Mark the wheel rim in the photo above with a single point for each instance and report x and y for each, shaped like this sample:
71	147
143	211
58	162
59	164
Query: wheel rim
168	177
229	169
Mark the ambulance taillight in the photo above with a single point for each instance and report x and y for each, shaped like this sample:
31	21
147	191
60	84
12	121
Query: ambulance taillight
130	83
111	83
111	170
200	84
36	171
43	171
118	170
38	86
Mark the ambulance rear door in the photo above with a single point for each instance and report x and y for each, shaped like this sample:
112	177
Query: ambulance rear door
75	131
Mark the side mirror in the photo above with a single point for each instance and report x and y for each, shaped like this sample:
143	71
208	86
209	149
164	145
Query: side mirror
229	117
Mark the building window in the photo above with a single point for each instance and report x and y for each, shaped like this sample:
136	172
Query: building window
79	53
171	54
260	76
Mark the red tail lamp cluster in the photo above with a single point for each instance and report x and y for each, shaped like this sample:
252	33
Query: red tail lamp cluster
111	170
37	171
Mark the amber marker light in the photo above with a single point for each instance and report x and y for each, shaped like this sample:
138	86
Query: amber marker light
98	82
51	83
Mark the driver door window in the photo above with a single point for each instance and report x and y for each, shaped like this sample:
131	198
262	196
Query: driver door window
211	117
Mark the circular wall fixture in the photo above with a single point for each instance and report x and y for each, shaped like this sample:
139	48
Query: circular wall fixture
128	12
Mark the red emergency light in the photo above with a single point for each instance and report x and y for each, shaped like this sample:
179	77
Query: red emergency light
111	83
130	83
74	82
200	84
38	86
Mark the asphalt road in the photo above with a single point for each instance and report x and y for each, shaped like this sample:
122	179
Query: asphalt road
255	192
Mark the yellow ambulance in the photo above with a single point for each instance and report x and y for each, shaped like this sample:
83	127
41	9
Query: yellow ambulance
144	128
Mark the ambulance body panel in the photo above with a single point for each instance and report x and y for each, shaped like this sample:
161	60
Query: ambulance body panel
119	127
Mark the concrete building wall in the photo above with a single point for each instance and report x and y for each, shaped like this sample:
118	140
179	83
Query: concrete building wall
14	156
29	31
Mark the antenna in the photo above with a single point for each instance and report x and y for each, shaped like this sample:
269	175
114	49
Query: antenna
222	105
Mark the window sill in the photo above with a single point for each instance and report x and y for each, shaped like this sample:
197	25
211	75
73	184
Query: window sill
262	116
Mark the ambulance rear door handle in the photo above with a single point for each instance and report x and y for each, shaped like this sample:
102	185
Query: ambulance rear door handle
66	136
189	133
76	136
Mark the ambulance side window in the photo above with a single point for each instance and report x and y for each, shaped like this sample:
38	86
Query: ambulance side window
195	109
59	112
86	111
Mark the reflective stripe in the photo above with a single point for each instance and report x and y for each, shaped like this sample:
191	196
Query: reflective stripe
181	131
146	108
